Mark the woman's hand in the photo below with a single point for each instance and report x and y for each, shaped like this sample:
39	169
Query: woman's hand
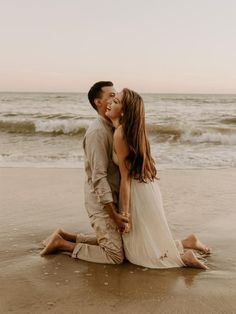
127	228
121	221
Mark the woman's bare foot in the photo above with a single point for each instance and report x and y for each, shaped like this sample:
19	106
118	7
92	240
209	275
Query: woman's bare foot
192	242
54	244
57	231
190	260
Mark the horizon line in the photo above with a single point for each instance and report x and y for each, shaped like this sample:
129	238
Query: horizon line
160	93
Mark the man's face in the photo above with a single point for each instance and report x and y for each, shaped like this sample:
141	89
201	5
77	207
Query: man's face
108	94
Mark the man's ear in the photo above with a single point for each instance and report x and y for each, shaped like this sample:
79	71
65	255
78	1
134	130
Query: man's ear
97	102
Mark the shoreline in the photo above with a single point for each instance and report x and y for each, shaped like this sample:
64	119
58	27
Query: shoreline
35	201
158	168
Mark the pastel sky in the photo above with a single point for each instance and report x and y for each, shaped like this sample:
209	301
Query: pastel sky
163	46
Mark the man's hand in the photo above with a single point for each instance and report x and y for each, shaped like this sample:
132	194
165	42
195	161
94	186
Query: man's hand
127	228
121	222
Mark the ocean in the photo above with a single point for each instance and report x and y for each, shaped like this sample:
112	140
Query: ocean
186	131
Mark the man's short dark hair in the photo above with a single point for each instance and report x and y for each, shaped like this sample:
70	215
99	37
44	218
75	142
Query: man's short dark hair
96	91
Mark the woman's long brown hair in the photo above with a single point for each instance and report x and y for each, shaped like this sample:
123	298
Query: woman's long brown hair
139	159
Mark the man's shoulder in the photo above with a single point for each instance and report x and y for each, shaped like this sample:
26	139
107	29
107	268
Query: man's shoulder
96	127
97	134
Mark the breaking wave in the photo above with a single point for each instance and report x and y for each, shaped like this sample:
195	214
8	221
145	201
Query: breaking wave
159	133
53	127
229	120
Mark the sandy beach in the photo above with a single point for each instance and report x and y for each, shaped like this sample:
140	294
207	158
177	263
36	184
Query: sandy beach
34	202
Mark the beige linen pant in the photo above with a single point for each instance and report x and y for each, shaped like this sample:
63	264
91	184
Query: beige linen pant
105	246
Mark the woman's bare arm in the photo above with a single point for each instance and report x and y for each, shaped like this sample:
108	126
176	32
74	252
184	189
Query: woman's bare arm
122	150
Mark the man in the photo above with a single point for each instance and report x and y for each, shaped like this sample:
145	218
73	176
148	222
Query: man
101	191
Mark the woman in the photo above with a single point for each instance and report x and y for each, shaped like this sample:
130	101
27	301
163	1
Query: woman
147	239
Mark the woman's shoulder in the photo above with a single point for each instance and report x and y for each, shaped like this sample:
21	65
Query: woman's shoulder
119	133
120	143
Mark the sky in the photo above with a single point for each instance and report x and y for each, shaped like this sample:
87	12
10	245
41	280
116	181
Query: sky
160	46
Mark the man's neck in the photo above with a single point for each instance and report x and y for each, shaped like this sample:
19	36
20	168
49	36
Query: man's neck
115	123
106	119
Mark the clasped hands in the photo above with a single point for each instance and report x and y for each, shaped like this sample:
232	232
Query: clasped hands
122	222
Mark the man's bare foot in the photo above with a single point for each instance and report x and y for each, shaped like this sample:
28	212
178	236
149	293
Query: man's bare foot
57	231
192	242
54	244
190	260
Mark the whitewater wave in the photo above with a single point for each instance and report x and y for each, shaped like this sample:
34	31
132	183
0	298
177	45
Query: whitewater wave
53	127
210	138
190	135
59	127
158	133
54	161
38	115
200	99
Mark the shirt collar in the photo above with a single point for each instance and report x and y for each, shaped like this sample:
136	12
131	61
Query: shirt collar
107	122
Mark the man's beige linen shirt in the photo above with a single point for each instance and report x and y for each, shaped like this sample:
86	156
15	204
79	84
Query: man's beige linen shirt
102	175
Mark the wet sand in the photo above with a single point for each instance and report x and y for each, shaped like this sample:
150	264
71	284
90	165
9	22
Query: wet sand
34	202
